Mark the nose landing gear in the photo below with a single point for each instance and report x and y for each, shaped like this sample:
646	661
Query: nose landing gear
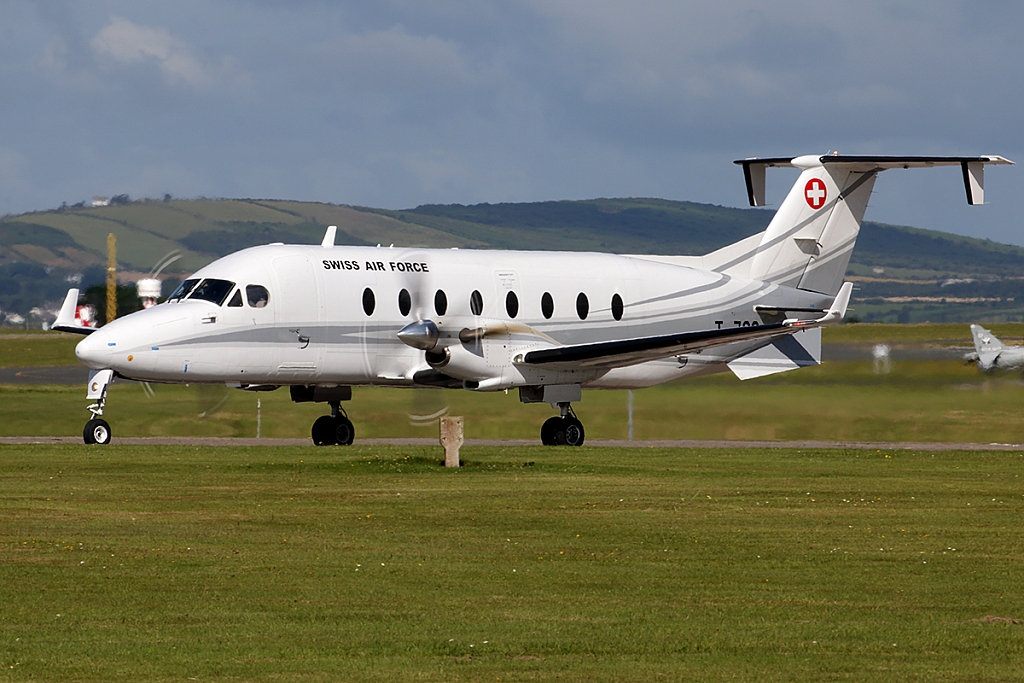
565	430
97	431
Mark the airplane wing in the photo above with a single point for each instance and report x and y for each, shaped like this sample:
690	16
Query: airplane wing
625	352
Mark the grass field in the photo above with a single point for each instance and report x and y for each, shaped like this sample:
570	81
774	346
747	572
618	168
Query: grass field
26	349
527	564
373	563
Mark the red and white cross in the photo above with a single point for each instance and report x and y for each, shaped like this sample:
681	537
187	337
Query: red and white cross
815	193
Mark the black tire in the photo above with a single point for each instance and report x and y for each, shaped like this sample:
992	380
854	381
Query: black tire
96	431
323	431
344	432
549	431
572	432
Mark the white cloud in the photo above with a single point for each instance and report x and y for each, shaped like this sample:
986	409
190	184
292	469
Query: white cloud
128	43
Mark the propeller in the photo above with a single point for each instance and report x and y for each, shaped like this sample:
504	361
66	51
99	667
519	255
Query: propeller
426	304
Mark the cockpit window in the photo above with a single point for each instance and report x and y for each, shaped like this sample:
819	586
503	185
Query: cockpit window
212	290
236	300
257	295
183	289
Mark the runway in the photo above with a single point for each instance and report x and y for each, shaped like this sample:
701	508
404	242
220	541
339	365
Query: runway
45	374
598	443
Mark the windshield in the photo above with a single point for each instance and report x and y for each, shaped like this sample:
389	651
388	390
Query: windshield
183	289
213	290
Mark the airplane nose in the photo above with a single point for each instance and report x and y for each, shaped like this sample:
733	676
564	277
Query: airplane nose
94	351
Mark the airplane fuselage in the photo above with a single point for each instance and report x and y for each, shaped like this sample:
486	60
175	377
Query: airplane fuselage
330	316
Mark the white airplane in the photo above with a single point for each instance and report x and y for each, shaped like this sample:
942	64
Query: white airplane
322	319
990	353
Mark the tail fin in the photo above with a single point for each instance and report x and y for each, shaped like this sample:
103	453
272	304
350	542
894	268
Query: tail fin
987	346
811	237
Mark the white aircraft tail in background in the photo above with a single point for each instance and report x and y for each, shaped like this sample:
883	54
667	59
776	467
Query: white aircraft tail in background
990	353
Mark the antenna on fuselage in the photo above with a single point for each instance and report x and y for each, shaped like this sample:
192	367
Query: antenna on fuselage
328	241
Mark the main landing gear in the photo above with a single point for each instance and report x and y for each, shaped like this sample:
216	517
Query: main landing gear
334	429
565	430
97	431
328	430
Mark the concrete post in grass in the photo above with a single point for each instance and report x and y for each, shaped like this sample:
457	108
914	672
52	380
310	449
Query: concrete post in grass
451	439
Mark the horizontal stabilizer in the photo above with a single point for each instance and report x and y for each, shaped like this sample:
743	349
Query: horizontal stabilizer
973	169
783	354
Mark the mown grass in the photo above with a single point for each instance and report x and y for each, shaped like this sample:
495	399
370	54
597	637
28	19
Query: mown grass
923	333
35	348
373	563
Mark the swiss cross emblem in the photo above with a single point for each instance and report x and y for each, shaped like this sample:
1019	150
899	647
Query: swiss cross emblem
815	193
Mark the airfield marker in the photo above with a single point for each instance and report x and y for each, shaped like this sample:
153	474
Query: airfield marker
451	439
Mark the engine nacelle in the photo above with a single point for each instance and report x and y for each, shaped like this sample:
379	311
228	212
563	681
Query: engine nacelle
481	353
455	360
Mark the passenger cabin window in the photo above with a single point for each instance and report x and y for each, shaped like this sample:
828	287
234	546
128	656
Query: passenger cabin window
512	304
440	302
183	290
214	291
369	301
547	306
616	306
582	306
257	295
404	302
476	303
236	299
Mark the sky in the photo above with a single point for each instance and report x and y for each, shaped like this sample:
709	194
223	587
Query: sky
397	103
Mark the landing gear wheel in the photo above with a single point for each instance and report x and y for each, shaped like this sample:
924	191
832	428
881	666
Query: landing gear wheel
344	432
333	430
562	431
324	431
549	431
571	432
96	431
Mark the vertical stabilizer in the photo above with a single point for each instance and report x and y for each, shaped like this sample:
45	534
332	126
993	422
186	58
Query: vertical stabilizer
809	241
987	346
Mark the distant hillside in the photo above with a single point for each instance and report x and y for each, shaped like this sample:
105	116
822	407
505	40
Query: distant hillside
41	253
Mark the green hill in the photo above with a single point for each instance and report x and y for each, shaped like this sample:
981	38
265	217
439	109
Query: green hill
900	269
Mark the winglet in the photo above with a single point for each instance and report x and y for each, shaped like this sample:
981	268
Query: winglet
328	242
835	312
